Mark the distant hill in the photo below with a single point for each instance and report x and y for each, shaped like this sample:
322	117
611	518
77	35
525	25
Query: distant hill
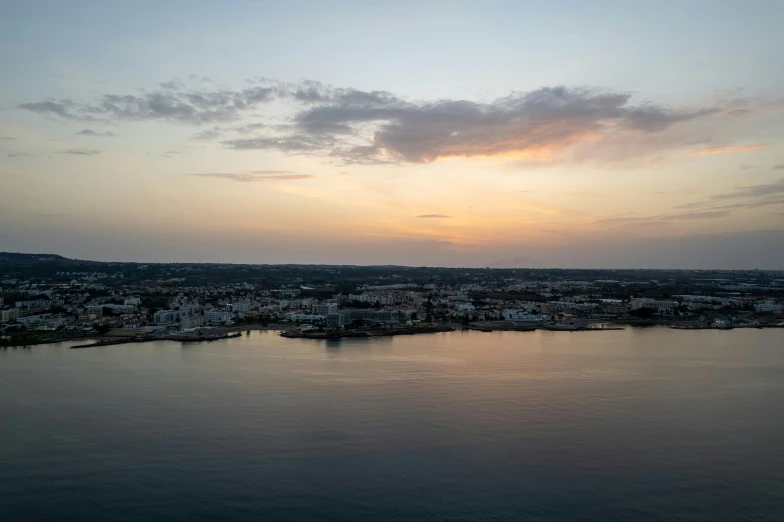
20	258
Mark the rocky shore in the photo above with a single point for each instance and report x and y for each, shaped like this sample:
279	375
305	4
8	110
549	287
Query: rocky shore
379	332
183	338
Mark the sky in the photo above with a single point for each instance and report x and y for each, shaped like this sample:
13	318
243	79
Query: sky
472	134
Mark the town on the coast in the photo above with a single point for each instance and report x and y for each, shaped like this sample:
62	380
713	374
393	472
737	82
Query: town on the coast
45	298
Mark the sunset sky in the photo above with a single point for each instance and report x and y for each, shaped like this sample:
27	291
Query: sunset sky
501	134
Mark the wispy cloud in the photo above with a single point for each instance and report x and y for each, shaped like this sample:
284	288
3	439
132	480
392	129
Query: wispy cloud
747	167
250	127
172	101
291	144
713	214
65	109
208	134
748	197
89	132
433	216
254	176
19	154
82	152
752	191
753	203
6	138
778	167
728	150
696	215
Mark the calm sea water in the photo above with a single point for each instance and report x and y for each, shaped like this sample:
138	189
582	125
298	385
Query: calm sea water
642	424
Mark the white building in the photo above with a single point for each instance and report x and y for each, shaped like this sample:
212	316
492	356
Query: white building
166	316
94	310
304	317
191	321
120	308
767	306
290	303
325	309
511	314
659	306
371	298
242	306
217	316
39	303
9	315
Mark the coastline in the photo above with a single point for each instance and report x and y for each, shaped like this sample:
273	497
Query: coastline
386	332
288	331
179	338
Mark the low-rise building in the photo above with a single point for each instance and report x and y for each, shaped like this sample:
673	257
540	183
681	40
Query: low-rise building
11	314
523	315
654	304
188	322
166	316
242	306
325	308
217	316
296	317
767	306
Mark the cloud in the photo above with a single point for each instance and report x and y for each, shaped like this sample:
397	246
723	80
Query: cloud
777	167
174	85
726	150
250	127
696	215
88	132
6	138
747	167
433	216
302	144
755	203
529	125
748	197
208	135
712	214
64	108
172	102
256	175
198	78
752	191
81	152
352	126
18	154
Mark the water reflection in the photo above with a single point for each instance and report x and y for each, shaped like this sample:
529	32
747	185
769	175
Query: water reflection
637	425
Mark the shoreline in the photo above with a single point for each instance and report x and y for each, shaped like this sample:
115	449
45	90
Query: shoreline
387	332
289	332
178	338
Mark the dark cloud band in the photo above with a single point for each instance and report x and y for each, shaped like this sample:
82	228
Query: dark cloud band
378	127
